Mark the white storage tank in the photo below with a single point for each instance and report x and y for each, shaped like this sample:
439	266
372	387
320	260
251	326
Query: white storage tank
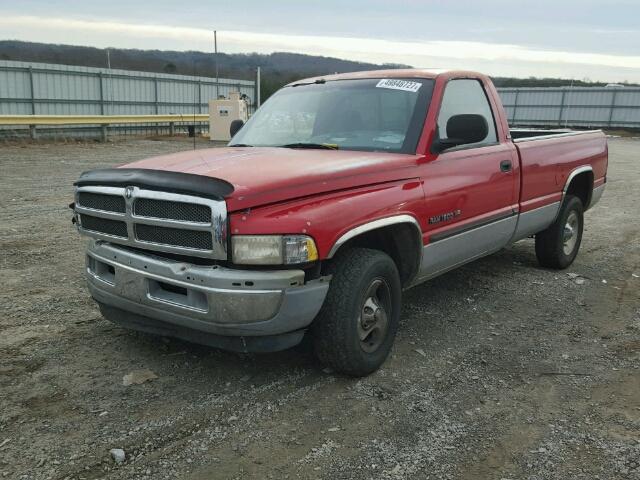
222	112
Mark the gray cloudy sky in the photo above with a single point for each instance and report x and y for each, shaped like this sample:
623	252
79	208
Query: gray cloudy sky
572	39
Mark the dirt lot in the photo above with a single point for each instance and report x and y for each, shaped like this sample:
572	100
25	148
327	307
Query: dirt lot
501	370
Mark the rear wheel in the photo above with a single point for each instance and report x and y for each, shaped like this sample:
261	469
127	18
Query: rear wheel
558	245
357	324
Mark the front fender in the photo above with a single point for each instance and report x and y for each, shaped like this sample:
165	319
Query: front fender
328	218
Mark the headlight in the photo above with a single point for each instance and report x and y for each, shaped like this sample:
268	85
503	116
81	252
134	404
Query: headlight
273	249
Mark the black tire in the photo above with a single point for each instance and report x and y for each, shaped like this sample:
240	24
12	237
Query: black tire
550	243
341	322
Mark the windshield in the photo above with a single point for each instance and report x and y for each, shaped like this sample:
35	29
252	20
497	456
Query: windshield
368	114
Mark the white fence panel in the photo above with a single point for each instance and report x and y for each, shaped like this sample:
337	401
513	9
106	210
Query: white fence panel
597	107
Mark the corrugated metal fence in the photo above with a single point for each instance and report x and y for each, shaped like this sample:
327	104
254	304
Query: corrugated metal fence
48	89
597	107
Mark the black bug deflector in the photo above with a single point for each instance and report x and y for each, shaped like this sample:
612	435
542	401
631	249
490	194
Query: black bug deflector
160	180
154	210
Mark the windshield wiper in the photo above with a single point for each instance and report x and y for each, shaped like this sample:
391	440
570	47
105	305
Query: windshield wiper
240	145
319	146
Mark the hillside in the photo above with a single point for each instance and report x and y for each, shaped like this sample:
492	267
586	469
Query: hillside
277	68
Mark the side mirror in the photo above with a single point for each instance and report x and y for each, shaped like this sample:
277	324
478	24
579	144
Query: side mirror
235	126
462	130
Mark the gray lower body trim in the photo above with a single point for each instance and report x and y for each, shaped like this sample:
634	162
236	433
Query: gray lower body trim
596	195
451	252
535	221
215	300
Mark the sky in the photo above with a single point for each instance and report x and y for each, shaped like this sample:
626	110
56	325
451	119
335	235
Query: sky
581	39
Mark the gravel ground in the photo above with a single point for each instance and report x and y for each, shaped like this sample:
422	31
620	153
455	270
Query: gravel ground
501	369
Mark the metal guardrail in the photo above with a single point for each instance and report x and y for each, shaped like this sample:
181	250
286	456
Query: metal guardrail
103	120
99	119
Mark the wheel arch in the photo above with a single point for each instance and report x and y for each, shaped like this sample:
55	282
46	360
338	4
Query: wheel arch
399	236
580	184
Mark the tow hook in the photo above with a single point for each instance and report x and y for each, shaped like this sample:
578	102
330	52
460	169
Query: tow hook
74	219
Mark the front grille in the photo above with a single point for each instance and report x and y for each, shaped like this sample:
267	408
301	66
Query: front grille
101	201
174	236
188	212
104	225
150	220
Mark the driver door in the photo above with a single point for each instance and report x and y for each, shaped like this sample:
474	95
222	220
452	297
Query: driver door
471	190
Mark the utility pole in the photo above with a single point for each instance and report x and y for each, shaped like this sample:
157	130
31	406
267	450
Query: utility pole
258	88
110	83
566	118
215	49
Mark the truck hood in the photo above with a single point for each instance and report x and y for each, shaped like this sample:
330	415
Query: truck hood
264	175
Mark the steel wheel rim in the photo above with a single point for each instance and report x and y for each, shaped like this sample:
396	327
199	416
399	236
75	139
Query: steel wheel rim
570	233
373	321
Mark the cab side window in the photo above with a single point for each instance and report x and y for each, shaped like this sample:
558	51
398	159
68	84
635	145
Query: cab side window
466	96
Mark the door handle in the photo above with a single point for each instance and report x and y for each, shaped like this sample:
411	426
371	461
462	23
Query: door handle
505	166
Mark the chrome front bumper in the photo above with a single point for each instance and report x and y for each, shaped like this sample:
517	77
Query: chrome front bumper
212	299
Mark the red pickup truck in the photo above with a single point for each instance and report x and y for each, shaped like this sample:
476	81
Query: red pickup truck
339	193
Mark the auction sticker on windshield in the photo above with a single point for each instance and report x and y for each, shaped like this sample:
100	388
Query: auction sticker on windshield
396	84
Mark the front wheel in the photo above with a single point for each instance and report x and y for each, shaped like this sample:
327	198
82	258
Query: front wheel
558	245
357	324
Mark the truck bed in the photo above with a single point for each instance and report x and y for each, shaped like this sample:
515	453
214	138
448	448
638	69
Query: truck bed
548	154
